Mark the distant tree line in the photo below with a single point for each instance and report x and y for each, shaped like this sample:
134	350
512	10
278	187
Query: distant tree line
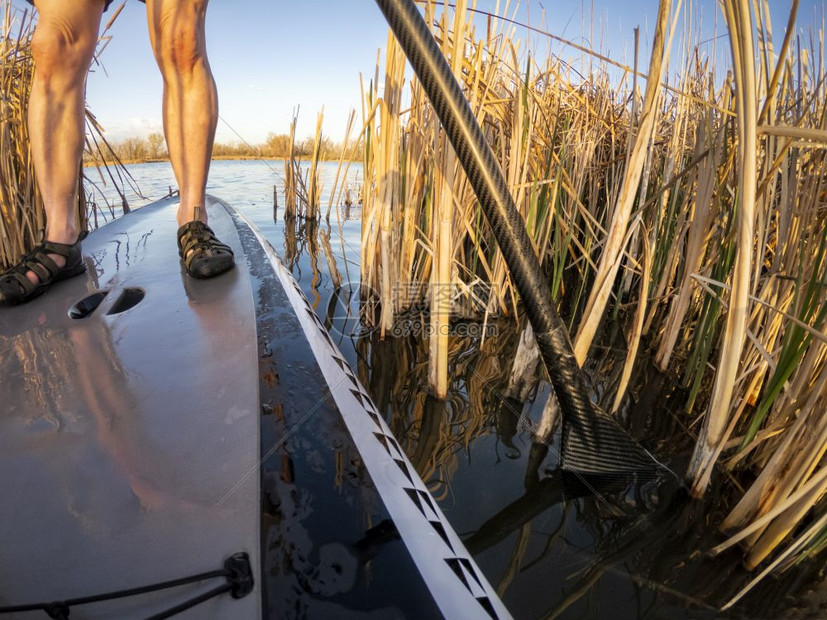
276	146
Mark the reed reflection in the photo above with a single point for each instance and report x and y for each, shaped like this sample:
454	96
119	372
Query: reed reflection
492	441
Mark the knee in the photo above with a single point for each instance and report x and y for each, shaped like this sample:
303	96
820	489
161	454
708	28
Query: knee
57	49
180	45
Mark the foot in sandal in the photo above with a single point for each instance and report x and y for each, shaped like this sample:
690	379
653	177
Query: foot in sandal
38	270
203	254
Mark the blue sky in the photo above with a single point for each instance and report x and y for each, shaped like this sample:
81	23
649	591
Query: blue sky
269	56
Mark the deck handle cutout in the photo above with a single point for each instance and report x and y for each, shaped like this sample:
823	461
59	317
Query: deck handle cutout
129	298
86	306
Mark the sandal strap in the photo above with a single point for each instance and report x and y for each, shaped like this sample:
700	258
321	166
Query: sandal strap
61	249
38	261
41	264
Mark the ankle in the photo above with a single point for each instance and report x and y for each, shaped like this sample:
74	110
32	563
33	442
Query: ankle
65	234
192	214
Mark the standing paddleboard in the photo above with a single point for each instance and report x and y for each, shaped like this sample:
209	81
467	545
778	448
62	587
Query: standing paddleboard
208	436
129	407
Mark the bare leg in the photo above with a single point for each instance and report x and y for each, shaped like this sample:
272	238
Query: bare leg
62	46
177	34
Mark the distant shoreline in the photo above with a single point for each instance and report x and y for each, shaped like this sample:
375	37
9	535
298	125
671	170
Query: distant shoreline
130	162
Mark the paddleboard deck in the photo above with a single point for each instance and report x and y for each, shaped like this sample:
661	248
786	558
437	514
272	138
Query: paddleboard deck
154	425
122	429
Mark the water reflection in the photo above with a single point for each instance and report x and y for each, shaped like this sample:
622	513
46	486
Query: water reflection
554	544
108	393
328	552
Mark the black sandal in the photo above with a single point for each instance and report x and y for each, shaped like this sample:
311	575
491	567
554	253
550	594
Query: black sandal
15	286
203	254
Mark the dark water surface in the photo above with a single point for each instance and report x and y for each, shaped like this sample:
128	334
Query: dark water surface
552	547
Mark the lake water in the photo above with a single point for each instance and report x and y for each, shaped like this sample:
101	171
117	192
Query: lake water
551	549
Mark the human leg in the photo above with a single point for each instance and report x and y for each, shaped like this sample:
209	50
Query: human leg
190	100
177	32
62	47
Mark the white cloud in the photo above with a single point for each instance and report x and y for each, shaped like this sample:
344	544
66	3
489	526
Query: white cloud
133	127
